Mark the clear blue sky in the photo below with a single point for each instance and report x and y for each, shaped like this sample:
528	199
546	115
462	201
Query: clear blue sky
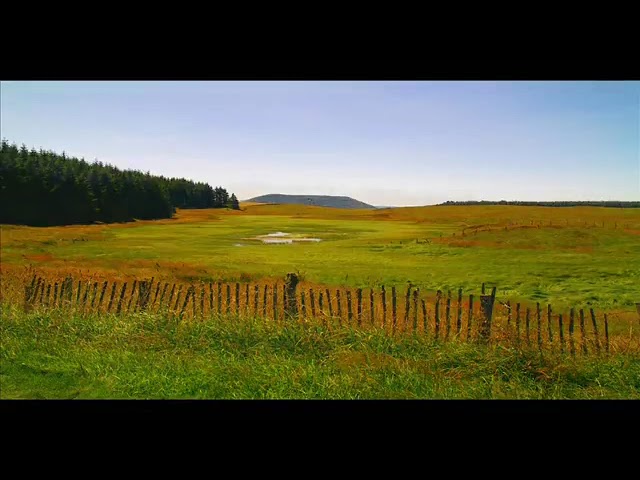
385	143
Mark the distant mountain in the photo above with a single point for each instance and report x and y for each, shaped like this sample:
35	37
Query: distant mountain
315	200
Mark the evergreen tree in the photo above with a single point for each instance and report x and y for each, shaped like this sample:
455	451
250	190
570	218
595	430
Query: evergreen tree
233	202
42	188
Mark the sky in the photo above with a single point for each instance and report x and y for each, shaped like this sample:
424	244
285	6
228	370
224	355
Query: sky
384	143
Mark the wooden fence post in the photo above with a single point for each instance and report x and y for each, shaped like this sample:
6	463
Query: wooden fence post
237	299
339	304
321	306
517	323
407	308
303	304
175	306
415	309
219	295
275	302
349	312
448	315
124	288
264	302
228	304
202	300
394	316
470	319
359	305
595	330
133	292
55	293
113	292
371	307
584	339
560	327
383	295
459	319
572	346
437	313
102	292
329	303
424	315
538	318
291	306
210	298
312	301
164	290
606	331
486	302
247	300
549	323
93	297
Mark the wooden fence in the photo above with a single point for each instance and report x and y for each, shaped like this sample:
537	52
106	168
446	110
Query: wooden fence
444	316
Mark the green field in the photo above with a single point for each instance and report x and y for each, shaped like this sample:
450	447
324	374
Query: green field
143	356
574	257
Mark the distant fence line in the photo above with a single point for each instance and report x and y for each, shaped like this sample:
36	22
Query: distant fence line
443	318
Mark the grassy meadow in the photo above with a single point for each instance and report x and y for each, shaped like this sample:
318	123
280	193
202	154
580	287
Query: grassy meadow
570	257
148	356
573	256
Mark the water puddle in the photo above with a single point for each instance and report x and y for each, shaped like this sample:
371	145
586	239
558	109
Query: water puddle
283	238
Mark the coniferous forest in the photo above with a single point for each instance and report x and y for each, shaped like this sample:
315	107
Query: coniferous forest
43	188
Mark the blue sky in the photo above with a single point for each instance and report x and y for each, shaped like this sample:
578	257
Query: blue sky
385	143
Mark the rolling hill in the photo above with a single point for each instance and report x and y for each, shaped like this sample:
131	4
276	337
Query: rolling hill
314	200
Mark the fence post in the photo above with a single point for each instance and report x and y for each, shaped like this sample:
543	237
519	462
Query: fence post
459	320
264	301
517	323
487	301
595	330
437	314
359	305
383	295
448	315
394	309
538	318
256	295
415	309
606	331
312	301
560	327
407	307
274	294
113	292
349	312
371	307
582	334
290	306
237	299
572	346
424	315
329	303
549	323
339	304
470	319
303	305
124	288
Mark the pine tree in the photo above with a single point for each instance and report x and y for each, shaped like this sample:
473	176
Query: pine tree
233	202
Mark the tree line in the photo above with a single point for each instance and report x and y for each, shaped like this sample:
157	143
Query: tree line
43	188
605	203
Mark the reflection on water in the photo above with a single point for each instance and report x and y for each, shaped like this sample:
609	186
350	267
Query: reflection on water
282	238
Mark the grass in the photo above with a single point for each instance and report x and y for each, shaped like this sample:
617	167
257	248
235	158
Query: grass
144	356
578	256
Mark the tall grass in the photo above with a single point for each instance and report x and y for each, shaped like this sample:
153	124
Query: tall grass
55	354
